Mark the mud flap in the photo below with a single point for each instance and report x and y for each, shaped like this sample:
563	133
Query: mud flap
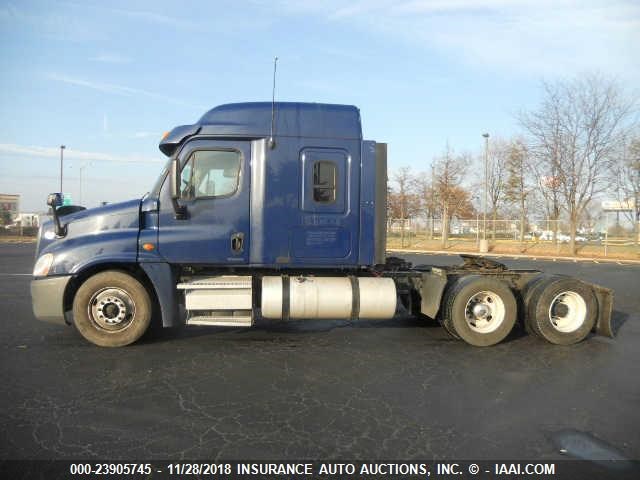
605	309
433	284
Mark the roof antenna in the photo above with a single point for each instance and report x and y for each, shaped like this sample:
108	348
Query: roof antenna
272	140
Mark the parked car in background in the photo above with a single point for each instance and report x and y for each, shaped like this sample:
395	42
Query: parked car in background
561	237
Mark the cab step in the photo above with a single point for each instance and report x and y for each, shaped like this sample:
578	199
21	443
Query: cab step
221	320
225	300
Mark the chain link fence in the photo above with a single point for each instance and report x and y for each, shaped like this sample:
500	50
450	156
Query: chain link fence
615	238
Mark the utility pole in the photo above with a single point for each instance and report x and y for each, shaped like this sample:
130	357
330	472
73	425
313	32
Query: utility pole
62	147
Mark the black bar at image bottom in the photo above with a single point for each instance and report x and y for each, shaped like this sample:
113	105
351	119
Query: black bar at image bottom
304	469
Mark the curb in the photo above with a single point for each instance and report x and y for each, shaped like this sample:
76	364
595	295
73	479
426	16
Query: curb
516	256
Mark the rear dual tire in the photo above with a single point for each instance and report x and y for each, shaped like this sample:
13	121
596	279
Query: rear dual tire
479	310
560	310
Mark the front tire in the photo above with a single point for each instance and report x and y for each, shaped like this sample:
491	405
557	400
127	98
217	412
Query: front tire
480	310
112	309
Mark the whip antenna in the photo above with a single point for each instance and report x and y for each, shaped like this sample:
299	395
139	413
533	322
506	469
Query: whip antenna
272	140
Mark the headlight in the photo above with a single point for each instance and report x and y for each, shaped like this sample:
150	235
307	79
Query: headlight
41	269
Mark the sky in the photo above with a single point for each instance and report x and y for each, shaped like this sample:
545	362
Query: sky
106	79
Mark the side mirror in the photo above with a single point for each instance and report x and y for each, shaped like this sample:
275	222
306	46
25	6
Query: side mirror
54	200
174	179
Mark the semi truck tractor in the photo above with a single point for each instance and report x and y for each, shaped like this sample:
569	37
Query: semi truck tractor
278	211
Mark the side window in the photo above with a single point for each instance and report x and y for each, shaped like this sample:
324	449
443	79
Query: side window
324	181
210	173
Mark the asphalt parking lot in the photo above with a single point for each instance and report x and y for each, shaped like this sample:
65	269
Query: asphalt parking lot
397	389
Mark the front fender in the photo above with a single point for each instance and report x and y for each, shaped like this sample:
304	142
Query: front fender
163	282
73	255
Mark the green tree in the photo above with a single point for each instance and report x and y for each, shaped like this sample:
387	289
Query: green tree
5	217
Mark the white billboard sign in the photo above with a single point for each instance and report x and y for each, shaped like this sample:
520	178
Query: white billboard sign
616	206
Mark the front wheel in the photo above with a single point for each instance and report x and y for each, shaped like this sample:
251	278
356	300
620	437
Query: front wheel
112	309
480	310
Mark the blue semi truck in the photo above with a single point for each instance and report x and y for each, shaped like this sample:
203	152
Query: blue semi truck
278	210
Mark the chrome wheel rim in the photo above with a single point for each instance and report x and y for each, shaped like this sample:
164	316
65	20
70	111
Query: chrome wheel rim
567	311
111	309
485	312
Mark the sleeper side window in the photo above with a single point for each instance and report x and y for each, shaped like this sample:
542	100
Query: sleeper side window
324	182
210	173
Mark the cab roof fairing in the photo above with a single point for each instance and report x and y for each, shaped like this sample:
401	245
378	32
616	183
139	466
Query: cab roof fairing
253	119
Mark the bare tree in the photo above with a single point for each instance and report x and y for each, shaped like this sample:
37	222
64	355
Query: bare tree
591	218
517	184
544	151
424	187
461	204
496	169
626	181
574	133
391	206
549	190
403	180
449	172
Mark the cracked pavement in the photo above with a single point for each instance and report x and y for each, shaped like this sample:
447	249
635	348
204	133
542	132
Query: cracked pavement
324	390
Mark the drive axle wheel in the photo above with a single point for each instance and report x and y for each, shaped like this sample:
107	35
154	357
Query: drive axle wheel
112	309
562	310
480	310
525	296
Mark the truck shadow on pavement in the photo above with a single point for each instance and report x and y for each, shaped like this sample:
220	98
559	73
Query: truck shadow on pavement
289	327
431	328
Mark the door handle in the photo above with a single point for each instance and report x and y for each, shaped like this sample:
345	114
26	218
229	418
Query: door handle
237	241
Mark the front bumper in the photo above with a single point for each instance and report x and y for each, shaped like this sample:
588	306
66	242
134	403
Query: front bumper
47	296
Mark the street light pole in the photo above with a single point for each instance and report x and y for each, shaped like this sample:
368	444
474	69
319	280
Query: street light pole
62	147
486	181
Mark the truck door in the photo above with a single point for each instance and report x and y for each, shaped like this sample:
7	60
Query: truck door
214	188
328	229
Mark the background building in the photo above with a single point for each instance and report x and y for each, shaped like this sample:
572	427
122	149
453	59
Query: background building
9	207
